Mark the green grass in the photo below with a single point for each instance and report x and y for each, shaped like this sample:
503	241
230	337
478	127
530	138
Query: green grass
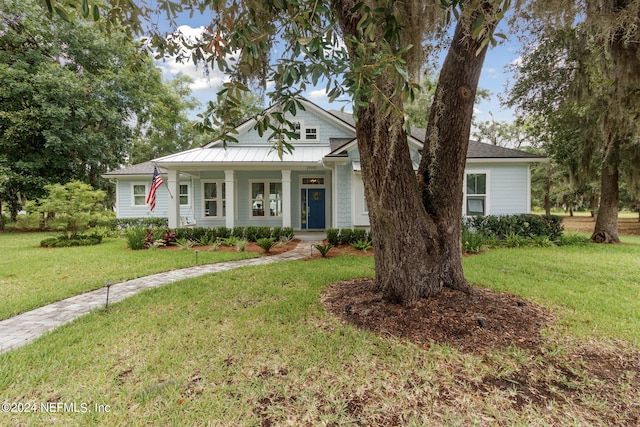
254	346
594	288
31	276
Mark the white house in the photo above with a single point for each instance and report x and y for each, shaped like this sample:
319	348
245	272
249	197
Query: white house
318	186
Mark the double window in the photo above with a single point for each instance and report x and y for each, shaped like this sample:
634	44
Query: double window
476	194
214	199
266	199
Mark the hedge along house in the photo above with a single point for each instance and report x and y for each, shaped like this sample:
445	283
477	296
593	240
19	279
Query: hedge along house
318	186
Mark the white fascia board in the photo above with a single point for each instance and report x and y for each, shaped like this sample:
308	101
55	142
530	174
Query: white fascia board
522	160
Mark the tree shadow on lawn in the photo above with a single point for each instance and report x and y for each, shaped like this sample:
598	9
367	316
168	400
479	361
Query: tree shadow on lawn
488	322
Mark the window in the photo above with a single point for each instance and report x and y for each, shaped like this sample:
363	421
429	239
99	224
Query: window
476	197
184	194
139	192
275	199
214	199
296	130
263	204
311	133
312	181
300	132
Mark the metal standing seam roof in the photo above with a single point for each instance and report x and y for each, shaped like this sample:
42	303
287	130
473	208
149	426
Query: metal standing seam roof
246	154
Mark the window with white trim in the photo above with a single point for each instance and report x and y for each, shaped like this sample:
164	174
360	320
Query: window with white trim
214	199
305	133
476	194
138	195
184	194
311	133
266	199
297	126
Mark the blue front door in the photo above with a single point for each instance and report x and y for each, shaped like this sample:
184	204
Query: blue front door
313	208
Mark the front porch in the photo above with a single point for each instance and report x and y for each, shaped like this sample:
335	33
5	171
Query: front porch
298	198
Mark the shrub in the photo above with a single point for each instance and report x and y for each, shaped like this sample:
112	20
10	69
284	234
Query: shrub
283	240
525	226
230	241
135	237
287	232
251	233
363	245
185	243
241	245
359	234
513	240
323	249
345	236
69	241
124	223
32	221
276	232
238	232
222	232
191	233
49	242
266	243
472	241
541	241
206	240
333	236
569	239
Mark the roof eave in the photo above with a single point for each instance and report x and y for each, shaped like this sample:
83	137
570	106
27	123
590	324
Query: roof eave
507	160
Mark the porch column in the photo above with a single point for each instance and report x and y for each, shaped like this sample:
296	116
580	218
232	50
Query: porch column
286	198
230	198
173	198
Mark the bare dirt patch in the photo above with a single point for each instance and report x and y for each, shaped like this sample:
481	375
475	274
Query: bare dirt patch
586	224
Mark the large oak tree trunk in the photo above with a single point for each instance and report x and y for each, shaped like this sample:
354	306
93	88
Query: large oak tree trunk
416	224
441	172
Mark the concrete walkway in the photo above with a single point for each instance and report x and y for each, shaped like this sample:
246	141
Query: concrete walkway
26	327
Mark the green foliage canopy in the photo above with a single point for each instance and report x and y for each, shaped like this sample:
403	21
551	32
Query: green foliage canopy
73	205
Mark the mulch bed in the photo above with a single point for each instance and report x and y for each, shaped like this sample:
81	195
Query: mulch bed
251	247
473	323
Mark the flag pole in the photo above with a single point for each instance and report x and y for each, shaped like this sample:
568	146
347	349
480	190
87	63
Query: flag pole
165	182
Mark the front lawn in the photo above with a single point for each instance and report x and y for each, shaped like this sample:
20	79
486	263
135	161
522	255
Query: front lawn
31	276
255	346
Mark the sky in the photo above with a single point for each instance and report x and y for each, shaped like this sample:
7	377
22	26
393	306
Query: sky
494	78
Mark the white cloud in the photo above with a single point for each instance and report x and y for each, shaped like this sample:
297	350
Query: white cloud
517	62
317	94
206	78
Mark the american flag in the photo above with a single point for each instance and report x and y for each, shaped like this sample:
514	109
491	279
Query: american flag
156	182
